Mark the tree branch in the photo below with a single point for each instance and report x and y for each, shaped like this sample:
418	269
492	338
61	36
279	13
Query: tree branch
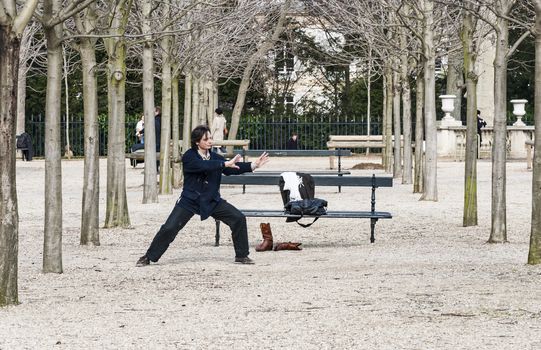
24	16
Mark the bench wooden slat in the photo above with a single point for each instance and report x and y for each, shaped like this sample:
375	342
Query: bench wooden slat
295	153
315	172
355	138
241	143
363	181
355	144
330	214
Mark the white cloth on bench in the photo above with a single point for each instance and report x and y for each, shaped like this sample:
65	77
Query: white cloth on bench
291	183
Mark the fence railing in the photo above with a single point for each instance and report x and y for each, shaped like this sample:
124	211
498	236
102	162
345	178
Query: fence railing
264	133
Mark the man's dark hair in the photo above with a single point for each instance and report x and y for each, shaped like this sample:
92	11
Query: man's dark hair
218	111
478	112
158	110
197	135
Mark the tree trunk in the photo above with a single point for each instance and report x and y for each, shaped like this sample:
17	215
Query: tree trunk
534	254
21	100
52	245
455	82
177	165
117	204
470	173
186	129
165	168
498	232
9	214
383	131
389	122
91	189
397	163
202	103
418	186
431	153
368	97
210	102
150	187
195	101
68	151
406	115
245	82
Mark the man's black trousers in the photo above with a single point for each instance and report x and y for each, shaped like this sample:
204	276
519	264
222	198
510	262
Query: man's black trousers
179	217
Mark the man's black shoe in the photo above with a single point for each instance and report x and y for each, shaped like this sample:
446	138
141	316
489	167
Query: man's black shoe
246	260
143	261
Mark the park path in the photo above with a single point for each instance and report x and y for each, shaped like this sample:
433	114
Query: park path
427	282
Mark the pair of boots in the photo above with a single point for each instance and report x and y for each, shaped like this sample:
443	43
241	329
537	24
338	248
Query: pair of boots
268	242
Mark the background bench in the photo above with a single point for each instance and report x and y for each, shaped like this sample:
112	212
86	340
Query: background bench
298	153
138	156
353	141
355	181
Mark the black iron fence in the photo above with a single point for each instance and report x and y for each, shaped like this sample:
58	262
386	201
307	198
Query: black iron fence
263	132
273	133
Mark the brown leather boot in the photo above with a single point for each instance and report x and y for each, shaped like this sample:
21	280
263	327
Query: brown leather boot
267	238
287	246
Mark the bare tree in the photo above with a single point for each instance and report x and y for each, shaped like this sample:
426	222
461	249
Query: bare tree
469	44
54	14
85	23
431	155
165	169
534	255
418	184
117	204
263	48
150	188
32	51
13	20
68	66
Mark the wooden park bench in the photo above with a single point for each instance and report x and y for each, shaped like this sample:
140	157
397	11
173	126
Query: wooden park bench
298	153
138	156
353	141
356	141
355	181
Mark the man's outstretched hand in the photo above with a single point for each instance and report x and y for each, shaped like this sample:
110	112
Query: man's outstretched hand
262	160
232	162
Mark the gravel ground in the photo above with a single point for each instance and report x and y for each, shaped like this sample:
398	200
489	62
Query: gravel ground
426	283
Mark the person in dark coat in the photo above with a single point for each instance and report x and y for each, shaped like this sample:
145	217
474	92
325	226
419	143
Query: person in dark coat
24	143
480	124
293	142
200	195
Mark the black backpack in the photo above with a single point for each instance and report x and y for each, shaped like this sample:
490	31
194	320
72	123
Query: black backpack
308	205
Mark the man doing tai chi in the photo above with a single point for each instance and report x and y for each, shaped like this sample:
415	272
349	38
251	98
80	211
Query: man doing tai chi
200	195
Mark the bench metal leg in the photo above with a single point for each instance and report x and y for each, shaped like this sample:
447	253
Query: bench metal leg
372	228
217	237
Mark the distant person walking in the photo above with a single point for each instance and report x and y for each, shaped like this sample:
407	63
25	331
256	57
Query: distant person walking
480	124
219	128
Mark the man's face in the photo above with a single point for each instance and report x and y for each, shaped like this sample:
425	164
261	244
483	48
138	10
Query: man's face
205	143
